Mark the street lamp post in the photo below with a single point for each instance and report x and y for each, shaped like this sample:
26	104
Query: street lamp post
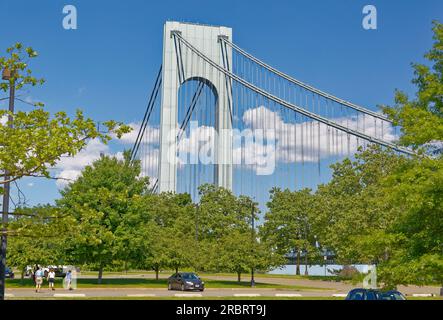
7	75
326	260
196	223
252	241
196	237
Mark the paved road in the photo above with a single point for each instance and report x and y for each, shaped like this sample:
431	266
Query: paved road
334	288
140	293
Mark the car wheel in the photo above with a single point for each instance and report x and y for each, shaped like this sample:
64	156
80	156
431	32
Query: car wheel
182	287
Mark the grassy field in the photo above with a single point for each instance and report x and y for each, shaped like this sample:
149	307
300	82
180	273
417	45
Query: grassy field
152	283
244	276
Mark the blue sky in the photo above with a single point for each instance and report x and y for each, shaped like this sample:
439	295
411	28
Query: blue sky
108	65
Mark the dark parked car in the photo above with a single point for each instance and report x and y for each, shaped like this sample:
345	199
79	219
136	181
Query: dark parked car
9	273
374	294
185	281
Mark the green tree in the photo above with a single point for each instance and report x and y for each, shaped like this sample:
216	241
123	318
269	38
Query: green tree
416	189
421	119
242	252
287	226
36	236
155	232
220	212
37	139
98	200
352	205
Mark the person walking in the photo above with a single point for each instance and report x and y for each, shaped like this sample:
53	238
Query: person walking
51	279
38	279
68	280
33	271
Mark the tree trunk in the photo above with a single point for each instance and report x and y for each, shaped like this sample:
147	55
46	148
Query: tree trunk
156	272
239	276
176	269
100	275
22	276
297	270
306	263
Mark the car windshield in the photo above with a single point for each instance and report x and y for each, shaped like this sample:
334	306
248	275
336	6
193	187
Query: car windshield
373	295
190	276
356	295
393	296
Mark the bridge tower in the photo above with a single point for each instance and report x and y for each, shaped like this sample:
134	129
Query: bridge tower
176	71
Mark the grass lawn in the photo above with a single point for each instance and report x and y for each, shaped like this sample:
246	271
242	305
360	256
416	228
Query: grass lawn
152	283
167	273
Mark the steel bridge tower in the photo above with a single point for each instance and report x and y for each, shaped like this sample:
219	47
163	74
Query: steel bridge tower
175	73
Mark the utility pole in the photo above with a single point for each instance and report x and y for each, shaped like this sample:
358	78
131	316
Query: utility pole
196	223
196	236
252	241
9	76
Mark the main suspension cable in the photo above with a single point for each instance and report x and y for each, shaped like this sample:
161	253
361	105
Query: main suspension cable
294	107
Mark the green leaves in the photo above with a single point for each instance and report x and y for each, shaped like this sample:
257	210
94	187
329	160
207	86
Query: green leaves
421	119
290	224
37	235
99	201
37	139
20	74
415	188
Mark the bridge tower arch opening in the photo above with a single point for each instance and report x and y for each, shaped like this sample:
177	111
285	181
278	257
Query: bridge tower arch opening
197	136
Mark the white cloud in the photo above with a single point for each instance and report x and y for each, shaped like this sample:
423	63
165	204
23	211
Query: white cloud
30	100
69	168
273	140
151	135
149	165
307	141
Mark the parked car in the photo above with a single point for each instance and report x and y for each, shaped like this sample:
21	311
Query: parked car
185	281
9	273
374	294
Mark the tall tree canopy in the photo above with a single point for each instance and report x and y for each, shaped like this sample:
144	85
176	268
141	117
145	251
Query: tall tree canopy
99	200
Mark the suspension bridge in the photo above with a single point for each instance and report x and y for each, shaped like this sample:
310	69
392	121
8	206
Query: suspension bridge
219	115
